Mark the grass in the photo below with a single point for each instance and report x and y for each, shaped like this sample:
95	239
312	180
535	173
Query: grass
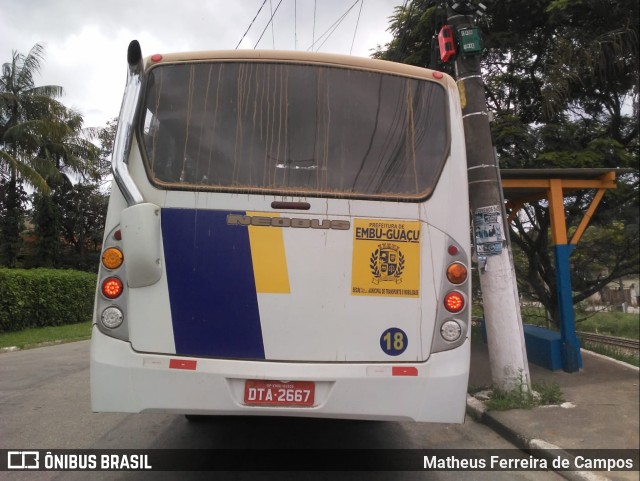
610	323
617	324
614	352
543	394
30	337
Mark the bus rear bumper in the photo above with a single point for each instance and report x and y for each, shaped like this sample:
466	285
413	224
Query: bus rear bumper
123	380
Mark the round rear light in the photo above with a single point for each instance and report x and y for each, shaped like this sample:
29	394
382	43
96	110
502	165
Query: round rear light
452	250
456	273
112	258
112	287
450	331
112	317
454	301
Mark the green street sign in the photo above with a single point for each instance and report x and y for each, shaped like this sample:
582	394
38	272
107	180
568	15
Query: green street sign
470	40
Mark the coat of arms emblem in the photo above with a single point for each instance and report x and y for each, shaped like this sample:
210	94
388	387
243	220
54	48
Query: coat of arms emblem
387	264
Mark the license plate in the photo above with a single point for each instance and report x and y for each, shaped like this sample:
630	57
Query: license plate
279	393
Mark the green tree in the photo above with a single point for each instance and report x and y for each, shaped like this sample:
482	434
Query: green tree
106	137
24	111
12	211
22	104
561	79
84	209
46	215
69	222
41	141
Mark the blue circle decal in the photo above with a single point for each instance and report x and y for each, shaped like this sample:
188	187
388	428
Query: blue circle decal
394	341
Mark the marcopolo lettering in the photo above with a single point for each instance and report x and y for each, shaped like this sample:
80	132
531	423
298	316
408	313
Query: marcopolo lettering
295	222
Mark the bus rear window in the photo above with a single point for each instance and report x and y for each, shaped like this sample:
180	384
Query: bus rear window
293	129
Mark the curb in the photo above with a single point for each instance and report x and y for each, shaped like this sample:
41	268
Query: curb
543	449
40	344
610	359
9	349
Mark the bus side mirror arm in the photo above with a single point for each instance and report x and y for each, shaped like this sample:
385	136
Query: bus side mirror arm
141	244
124	132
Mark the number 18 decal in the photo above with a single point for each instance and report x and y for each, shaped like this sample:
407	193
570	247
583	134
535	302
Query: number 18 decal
394	341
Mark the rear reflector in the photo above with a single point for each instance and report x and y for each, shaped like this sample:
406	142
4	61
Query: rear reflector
404	371
183	364
388	371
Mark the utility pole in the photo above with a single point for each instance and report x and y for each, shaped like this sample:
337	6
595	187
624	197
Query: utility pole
503	320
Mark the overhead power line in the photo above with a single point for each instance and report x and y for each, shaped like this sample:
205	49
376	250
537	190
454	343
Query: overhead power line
313	37
273	34
268	23
402	43
332	28
356	29
251	24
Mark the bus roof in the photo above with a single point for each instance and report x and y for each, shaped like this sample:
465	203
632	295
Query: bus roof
382	66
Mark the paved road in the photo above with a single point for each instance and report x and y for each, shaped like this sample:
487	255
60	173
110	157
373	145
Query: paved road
44	404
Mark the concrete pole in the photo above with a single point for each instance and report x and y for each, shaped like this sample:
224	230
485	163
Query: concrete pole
503	320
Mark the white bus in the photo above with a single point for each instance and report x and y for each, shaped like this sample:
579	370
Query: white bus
287	234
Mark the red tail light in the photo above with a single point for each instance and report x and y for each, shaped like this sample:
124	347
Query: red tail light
454	301
112	287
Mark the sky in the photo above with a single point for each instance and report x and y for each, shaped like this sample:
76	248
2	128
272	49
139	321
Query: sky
86	41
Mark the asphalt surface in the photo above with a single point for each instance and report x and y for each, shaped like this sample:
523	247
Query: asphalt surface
44	404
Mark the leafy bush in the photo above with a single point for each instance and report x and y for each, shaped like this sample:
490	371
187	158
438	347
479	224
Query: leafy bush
44	297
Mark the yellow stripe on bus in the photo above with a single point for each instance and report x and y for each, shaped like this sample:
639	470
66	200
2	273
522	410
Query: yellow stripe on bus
268	257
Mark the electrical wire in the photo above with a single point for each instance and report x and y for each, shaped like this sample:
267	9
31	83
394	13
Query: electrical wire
267	25
273	35
251	24
403	41
313	36
332	28
356	29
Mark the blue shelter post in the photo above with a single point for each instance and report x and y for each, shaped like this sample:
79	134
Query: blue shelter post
571	358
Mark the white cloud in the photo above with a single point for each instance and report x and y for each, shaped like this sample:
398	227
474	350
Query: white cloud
86	42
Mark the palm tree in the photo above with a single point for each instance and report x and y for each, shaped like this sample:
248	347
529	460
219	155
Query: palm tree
40	139
23	106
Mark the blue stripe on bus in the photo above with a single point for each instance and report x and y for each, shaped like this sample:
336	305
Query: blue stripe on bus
212	291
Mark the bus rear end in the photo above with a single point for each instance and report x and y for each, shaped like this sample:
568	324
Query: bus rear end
287	235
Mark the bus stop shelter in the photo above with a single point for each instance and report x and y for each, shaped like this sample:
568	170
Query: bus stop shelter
522	186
